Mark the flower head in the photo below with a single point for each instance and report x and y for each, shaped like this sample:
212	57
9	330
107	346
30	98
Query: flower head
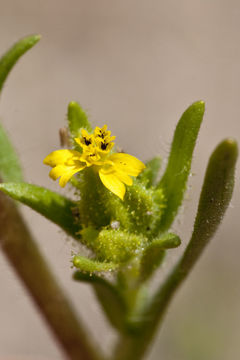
114	169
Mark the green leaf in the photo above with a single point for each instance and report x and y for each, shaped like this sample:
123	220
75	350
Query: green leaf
215	197
77	120
167	241
154	254
174	180
10	169
91	266
149	176
53	206
108	296
9	59
214	200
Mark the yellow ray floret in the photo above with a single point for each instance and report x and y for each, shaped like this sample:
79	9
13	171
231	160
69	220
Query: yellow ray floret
115	170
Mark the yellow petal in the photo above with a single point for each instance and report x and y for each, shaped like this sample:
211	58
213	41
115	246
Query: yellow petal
127	163
85	133
64	172
60	157
78	141
112	183
124	177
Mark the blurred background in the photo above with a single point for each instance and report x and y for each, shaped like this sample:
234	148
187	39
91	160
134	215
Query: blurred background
136	66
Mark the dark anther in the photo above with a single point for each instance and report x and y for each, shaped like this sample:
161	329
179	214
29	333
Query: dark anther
101	135
87	142
103	146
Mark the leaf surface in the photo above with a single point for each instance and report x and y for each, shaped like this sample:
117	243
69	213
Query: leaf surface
53	206
175	178
9	59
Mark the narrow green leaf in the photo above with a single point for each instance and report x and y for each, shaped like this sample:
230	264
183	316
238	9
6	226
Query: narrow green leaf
9	59
154	254
149	176
53	206
91	266
10	169
167	241
77	120
108	296
174	180
90	278
215	197
214	200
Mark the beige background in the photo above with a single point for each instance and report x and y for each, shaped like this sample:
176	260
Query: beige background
135	65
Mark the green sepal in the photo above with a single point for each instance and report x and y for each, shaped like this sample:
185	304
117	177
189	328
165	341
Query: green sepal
9	59
10	169
154	254
174	180
149	175
77	120
92	266
108	296
53	206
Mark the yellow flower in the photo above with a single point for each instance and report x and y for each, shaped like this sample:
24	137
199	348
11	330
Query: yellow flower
115	170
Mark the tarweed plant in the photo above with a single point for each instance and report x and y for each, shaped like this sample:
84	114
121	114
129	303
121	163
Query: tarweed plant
121	212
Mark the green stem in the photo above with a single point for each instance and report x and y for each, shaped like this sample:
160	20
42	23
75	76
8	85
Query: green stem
24	255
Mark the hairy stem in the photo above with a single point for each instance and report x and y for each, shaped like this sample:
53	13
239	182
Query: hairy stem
25	257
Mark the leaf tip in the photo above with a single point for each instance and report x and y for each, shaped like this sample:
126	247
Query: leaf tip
231	144
228	150
31	40
37	37
199	106
72	104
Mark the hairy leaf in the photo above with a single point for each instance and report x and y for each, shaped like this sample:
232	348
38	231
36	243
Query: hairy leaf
174	180
53	206
10	169
77	120
91	266
215	197
149	175
9	59
154	254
